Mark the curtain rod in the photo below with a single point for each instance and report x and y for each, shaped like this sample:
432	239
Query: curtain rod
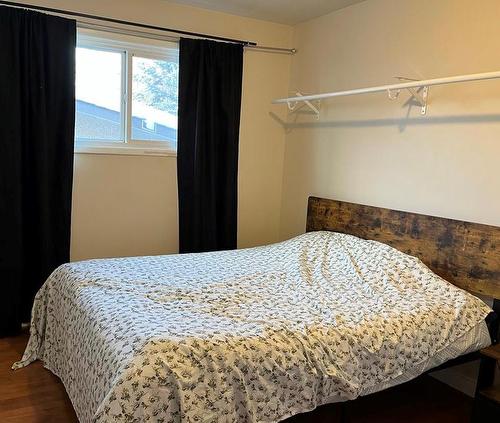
247	44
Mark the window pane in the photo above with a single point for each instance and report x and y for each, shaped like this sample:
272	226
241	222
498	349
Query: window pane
98	95
154	99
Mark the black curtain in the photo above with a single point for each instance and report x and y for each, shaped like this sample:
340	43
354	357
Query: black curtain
37	119
210	78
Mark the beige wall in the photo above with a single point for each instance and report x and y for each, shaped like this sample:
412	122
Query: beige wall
371	150
368	149
365	149
127	205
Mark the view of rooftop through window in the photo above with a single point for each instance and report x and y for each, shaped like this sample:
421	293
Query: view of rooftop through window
100	97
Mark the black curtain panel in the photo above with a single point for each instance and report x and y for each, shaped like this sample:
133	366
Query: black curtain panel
37	119
210	79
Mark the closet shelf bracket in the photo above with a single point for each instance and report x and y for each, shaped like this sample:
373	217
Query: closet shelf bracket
294	106
419	97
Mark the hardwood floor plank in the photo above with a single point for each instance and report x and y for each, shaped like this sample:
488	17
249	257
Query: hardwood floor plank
31	394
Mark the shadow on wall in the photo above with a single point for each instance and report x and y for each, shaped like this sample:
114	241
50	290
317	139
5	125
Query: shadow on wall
401	123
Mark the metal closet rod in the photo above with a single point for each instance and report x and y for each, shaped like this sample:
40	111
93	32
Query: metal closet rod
246	44
395	87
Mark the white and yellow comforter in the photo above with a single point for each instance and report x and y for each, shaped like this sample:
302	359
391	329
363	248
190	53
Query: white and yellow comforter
252	335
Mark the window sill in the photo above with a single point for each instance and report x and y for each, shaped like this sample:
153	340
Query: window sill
125	150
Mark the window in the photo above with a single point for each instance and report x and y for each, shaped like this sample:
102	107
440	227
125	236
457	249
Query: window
126	94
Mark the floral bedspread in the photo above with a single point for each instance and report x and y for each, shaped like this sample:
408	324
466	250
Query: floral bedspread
252	335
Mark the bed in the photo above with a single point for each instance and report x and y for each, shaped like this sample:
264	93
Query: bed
261	334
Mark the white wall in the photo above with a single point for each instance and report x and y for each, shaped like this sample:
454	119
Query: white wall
368	149
127	205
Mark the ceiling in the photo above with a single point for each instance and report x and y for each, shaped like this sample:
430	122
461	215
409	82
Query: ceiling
288	12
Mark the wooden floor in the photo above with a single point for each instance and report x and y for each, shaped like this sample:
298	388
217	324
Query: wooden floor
33	394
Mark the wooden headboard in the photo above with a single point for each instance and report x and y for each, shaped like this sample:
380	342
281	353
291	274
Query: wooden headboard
465	254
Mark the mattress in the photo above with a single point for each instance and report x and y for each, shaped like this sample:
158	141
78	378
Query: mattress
253	335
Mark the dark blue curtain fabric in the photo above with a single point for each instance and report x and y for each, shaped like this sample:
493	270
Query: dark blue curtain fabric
37	118
210	81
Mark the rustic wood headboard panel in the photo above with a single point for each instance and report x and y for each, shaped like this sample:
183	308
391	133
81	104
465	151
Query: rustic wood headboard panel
465	254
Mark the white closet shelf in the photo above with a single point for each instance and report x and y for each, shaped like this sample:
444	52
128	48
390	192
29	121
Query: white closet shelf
392	90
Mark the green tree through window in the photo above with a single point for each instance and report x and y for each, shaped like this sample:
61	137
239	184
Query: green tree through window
156	83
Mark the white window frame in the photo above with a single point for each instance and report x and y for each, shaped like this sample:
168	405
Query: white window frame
129	47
